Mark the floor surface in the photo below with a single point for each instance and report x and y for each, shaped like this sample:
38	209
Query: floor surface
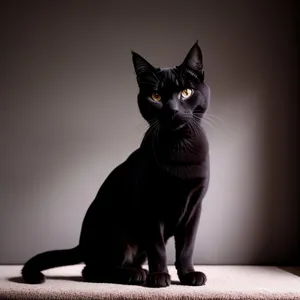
224	282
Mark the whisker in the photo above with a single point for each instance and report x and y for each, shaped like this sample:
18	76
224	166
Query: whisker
205	121
154	139
198	130
152	128
216	118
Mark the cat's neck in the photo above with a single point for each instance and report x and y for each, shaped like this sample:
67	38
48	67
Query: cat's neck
179	150
182	147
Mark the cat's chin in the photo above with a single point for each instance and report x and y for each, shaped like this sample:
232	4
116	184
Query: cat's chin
174	126
178	127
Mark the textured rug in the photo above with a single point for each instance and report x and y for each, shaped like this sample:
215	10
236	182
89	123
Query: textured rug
224	282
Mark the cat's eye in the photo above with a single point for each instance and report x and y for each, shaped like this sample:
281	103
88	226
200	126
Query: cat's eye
156	97
186	93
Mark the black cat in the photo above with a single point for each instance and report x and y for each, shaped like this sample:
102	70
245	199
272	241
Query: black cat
155	194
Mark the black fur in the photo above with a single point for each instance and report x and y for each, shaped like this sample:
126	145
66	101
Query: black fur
155	194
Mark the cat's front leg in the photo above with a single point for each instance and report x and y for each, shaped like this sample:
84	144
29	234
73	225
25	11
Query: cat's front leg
185	242
157	258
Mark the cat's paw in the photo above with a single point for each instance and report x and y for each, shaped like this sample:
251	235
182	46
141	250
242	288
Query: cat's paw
132	276
158	280
193	278
144	274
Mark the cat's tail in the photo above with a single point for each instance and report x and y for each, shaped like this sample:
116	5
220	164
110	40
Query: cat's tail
31	271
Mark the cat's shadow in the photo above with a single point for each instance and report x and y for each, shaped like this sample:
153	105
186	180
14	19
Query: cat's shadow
20	280
68	278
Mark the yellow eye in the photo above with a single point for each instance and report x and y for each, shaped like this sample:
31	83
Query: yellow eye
186	93
156	97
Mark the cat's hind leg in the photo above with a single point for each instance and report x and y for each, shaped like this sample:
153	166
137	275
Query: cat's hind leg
118	275
137	265
118	267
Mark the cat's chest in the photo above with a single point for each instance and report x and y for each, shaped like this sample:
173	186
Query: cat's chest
167	198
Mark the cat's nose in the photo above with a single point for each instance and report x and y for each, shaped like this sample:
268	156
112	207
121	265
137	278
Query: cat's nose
171	113
171	109
172	105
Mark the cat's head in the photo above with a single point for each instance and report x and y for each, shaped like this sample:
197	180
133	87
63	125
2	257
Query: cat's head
172	96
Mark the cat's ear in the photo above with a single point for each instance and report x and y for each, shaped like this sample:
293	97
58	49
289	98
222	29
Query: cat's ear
141	65
194	59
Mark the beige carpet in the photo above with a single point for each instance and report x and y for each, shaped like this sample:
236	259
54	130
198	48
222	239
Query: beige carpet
224	282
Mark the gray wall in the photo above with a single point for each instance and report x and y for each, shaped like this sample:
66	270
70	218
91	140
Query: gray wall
69	116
